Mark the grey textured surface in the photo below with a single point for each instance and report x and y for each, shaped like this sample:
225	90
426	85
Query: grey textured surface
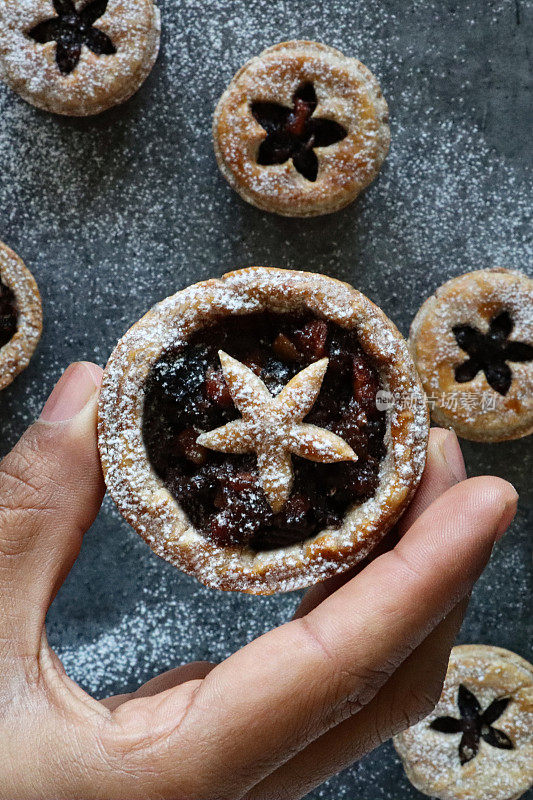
114	213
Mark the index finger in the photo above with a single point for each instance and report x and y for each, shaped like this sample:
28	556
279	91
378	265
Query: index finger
444	468
285	689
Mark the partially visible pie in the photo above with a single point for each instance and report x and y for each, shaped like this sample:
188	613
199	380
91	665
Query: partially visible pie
472	343
77	57
241	433
301	129
478	742
20	315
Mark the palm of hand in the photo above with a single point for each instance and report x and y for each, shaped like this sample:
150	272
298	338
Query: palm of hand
363	658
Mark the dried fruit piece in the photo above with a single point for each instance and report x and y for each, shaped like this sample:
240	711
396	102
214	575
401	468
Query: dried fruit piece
217	389
284	348
311	339
186	445
294	133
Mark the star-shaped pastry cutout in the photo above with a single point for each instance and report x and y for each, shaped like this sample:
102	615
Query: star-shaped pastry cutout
272	426
475	724
71	29
490	352
294	133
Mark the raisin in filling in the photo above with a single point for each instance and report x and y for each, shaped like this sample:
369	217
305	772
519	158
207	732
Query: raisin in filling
490	352
8	314
293	133
71	30
186	394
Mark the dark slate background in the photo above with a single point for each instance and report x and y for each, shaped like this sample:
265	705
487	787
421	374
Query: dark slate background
117	212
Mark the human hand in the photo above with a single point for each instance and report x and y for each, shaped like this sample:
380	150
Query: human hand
363	658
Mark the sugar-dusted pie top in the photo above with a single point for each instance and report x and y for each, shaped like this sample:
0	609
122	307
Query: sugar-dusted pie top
145	500
301	129
268	445
105	73
478	742
273	428
472	342
20	315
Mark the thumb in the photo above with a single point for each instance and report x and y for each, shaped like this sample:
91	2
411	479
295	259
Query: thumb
51	488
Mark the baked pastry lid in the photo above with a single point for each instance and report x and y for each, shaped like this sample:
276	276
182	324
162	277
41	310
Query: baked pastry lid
15	355
431	758
347	93
475	298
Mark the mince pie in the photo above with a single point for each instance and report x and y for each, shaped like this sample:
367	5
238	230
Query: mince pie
301	129
478	742
20	315
472	342
77	57
240	433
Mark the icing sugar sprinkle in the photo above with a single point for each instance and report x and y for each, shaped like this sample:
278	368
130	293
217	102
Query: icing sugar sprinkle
115	213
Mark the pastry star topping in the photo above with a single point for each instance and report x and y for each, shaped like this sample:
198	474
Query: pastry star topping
272	427
71	30
490	352
475	725
293	133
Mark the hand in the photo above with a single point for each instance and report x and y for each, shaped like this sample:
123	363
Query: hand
364	657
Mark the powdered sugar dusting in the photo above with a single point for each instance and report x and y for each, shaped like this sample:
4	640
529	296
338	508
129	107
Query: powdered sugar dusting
139	492
114	213
476	299
272	426
346	93
431	757
98	81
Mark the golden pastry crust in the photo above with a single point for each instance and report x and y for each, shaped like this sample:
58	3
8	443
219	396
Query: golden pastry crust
16	354
142	497
474	409
347	93
98	82
430	757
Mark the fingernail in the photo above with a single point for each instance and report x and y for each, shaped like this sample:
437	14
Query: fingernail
507	516
72	392
453	457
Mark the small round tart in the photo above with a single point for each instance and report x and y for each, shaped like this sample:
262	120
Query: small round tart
301	130
21	318
472	343
240	435
478	742
77	57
